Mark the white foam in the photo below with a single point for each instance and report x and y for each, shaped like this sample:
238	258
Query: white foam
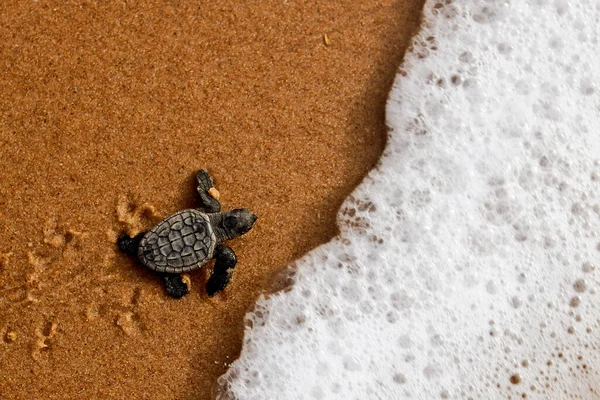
465	264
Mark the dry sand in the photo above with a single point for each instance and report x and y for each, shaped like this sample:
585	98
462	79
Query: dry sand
107	109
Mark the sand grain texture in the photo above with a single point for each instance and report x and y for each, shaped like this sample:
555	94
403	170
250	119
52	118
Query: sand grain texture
107	109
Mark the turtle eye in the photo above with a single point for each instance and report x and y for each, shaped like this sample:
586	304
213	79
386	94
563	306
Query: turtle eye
230	222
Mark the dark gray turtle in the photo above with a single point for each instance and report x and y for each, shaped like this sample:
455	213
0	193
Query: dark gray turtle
188	239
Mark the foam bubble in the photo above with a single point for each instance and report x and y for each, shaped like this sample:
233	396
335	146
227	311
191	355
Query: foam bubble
465	267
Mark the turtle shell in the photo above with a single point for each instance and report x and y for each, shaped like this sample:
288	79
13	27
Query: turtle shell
181	242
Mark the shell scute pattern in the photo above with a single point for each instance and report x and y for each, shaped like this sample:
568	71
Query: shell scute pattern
163	230
182	242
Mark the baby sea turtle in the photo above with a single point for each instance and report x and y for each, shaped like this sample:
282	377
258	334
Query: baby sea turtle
188	239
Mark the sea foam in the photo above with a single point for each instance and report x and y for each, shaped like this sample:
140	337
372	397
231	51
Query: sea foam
465	266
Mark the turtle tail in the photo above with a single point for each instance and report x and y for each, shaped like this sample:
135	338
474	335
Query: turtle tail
129	245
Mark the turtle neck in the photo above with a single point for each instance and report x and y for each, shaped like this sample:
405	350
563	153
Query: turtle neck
216	221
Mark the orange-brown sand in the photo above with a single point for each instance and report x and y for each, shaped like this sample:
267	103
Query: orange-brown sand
107	110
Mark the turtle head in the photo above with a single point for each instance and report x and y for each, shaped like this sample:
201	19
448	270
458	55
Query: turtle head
236	222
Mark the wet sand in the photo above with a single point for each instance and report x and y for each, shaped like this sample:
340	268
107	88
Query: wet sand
107	110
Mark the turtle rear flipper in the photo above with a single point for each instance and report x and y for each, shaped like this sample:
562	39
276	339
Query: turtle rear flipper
129	245
204	184
175	285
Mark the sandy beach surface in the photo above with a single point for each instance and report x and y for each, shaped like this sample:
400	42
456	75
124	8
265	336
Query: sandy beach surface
107	110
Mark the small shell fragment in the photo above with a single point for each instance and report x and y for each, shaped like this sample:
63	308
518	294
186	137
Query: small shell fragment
326	39
214	193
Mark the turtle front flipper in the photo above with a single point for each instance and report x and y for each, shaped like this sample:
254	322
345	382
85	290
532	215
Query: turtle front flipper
175	285
226	261
208	203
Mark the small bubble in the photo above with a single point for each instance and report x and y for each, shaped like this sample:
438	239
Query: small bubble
562	7
436	340
588	267
399	378
579	285
556	43
549	242
352	364
466	57
392	317
432	371
336	387
516	302
577	208
575	301
587	87
318	393
405	341
504	48
491	287
255	379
